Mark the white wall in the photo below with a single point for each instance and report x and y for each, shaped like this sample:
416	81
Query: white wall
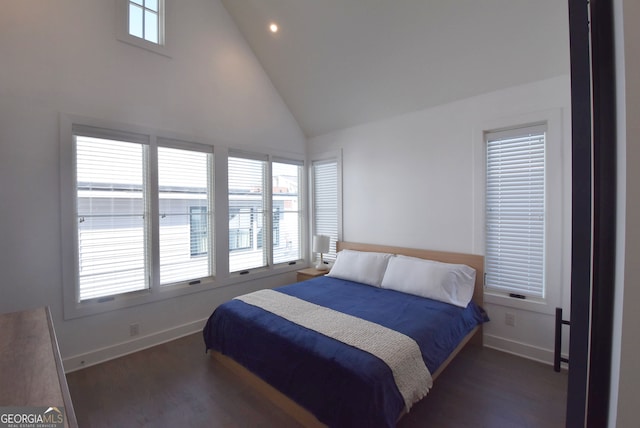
63	57
412	181
625	373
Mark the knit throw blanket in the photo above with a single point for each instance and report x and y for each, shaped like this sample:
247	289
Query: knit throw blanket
400	352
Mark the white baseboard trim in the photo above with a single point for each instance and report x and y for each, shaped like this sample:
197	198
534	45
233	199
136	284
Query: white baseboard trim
107	353
101	355
520	349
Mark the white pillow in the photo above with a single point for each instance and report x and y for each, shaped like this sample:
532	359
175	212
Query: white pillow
449	283
360	266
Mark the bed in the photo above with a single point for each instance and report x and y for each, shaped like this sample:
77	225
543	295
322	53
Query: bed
291	343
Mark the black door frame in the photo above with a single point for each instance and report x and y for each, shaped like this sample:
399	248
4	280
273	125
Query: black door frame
593	232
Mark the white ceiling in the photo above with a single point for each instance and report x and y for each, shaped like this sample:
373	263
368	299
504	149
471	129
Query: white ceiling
340	63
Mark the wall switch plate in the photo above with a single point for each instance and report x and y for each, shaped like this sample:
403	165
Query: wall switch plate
510	319
134	329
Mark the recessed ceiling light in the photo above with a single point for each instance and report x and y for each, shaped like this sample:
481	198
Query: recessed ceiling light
273	27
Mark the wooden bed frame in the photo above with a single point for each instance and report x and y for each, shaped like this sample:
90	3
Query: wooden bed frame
302	415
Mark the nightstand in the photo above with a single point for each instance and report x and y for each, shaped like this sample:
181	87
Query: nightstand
309	273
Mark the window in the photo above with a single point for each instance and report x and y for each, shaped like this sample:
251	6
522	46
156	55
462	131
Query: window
184	198
264	223
285	205
143	213
145	20
112	224
199	231
247	209
324	176
515	211
138	215
240	228
141	23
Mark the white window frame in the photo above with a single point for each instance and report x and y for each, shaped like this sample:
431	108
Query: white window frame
334	156
219	232
302	191
555	216
265	217
267	237
74	308
200	148
504	148
122	28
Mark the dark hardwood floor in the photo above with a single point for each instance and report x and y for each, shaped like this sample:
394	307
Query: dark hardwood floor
177	385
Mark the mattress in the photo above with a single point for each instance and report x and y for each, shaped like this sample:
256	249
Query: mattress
341	385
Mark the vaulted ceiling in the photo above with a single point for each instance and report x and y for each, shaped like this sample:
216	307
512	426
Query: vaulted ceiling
340	63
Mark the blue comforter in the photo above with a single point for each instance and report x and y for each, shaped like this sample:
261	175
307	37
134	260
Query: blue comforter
341	385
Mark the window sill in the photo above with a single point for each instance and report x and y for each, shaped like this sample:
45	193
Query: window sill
144	44
122	301
144	297
530	304
263	272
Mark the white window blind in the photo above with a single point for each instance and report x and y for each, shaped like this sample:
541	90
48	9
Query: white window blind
325	202
184	178
515	211
285	206
247	209
111	217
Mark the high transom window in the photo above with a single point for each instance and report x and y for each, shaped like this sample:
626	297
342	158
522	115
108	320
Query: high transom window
145	20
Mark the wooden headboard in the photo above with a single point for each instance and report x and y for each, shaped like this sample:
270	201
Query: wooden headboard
473	260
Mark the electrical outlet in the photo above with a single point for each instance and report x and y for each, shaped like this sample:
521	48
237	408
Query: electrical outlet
134	329
510	319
